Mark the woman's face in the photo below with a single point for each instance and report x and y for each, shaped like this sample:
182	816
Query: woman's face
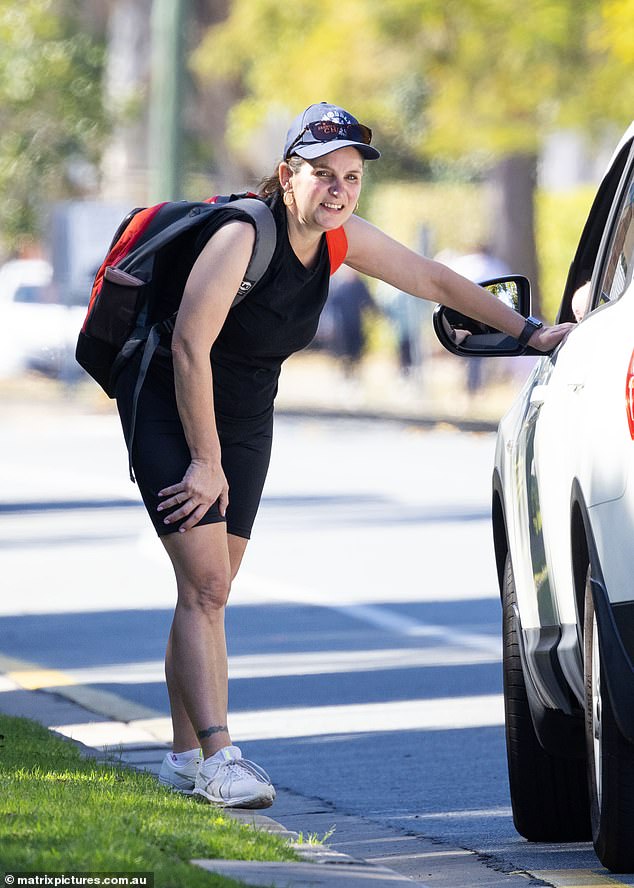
326	190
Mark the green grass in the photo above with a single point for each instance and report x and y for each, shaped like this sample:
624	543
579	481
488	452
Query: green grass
62	812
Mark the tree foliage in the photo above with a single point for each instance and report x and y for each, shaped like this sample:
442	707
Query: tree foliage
450	78
51	117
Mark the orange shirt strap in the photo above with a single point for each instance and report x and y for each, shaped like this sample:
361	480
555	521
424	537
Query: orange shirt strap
337	247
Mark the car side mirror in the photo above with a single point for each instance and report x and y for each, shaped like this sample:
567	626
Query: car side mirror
463	336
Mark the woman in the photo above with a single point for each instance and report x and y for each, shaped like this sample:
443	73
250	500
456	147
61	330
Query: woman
203	429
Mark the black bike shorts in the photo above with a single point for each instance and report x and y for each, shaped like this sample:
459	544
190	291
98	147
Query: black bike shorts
160	455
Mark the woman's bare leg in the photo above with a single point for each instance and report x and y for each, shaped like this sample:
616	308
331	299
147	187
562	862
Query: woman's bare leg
205	560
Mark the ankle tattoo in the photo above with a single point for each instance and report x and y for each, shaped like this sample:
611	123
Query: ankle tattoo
213	729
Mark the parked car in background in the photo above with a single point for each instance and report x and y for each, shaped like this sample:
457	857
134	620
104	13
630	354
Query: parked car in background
563	524
44	304
37	332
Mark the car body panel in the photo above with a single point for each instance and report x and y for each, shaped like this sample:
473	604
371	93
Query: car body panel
568	424
563	497
563	528
612	521
563	472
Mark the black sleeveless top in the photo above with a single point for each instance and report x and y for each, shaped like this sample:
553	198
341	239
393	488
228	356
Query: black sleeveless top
278	317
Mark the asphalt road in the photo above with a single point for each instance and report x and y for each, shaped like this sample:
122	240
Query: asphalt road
364	629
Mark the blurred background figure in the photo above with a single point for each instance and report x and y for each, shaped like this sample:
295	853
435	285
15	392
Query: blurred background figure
409	317
480	265
410	320
343	330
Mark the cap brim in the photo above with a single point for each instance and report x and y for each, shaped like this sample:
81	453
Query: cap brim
319	149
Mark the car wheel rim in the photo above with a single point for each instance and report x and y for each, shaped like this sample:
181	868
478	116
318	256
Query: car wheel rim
596	709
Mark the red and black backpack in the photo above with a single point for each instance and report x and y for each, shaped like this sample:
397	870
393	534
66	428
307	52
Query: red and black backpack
121	316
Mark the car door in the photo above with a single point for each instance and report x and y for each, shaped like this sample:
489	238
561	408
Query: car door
575	400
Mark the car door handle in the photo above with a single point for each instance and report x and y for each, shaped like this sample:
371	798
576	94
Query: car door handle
538	395
540	392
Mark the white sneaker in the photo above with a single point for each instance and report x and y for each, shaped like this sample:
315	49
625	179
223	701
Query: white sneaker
228	780
180	778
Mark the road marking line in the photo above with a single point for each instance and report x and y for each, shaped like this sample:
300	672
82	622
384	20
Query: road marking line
7	685
106	735
578	879
384	618
31	677
423	714
375	615
445	714
268	666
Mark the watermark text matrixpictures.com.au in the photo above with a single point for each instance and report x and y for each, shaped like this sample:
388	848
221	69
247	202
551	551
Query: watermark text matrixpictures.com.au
56	880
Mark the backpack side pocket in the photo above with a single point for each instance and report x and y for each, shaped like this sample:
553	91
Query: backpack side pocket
116	309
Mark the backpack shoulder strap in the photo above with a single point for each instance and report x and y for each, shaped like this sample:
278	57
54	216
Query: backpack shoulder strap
256	209
337	247
265	240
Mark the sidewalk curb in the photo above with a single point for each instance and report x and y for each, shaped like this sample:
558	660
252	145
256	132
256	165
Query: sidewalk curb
341	869
427	421
308	875
319	865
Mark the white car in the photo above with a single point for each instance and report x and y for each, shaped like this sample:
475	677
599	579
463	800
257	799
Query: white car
563	524
37	332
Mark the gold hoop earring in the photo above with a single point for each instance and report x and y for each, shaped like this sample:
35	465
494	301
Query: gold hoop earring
289	198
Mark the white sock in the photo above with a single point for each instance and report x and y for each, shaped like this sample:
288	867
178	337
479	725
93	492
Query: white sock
227	753
184	758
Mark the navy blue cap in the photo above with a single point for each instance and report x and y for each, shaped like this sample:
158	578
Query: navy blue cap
299	139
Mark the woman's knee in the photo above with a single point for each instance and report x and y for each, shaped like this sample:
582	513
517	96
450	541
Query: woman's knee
202	567
207	591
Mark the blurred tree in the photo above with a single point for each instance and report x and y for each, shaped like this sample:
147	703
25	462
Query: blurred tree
207	166
480	82
210	162
51	118
126	77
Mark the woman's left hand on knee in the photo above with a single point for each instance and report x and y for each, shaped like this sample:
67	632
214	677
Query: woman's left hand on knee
202	486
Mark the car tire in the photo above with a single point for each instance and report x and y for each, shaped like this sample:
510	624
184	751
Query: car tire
610	760
548	792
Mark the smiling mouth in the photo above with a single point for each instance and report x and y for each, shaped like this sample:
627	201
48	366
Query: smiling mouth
333	206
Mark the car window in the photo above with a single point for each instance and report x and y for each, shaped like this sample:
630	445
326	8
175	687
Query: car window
591	237
32	293
617	272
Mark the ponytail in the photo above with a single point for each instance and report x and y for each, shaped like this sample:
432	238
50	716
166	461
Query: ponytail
271	185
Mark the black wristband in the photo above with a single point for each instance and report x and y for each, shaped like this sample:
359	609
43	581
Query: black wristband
531	325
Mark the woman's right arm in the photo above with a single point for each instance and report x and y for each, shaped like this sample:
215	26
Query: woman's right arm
209	292
372	252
